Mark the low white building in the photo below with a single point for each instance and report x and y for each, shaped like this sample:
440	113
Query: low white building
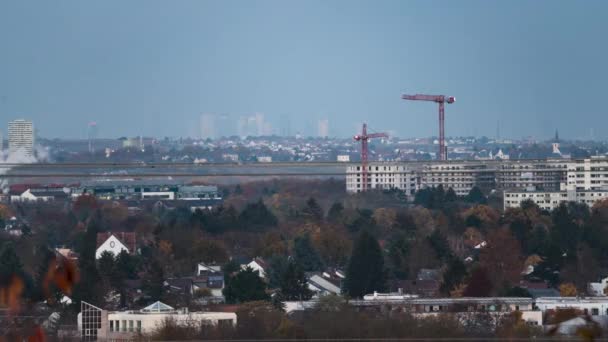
96	323
550	200
594	306
344	158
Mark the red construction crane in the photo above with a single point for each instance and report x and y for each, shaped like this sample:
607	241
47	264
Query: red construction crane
364	137
441	99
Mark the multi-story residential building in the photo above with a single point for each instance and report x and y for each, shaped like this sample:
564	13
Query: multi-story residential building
462	176
588	174
403	176
546	182
21	136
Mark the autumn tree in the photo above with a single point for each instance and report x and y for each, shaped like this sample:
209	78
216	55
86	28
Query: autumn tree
479	284
334	247
567	290
503	257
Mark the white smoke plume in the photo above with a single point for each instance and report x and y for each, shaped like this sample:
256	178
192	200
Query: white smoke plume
19	157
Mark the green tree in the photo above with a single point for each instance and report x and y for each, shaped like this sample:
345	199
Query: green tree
277	265
454	275
365	271
153	280
334	214
256	216
364	220
105	265
313	211
450	195
294	285
306	255
245	286
476	196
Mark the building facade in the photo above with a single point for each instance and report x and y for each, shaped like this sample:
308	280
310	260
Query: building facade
97	324
546	182
21	137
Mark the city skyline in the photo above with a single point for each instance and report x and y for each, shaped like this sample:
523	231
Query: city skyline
154	73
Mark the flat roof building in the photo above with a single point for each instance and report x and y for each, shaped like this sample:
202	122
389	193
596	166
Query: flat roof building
21	137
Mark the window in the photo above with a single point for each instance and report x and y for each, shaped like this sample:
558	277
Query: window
138	326
130	326
111	325
595	311
124	325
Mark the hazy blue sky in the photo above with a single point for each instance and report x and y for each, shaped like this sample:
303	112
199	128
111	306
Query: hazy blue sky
152	67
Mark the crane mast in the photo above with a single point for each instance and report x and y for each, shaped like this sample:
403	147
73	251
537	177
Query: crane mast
364	138
441	100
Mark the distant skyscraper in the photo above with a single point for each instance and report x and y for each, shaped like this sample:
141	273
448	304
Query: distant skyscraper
208	126
92	135
21	136
323	128
224	126
259	122
241	126
285	126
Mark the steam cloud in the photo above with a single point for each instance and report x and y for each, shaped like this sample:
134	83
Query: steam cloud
19	157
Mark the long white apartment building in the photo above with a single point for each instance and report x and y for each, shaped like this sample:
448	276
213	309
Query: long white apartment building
546	182
461	176
584	181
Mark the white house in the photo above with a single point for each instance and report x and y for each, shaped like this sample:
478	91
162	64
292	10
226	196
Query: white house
597	289
204	269
113	245
257	264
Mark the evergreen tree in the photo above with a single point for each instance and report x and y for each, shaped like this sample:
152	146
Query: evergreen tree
454	275
306	255
245	286
476	196
313	211
450	195
365	271
334	214
364	220
294	285
277	265
440	245
153	281
105	265
90	287
256	216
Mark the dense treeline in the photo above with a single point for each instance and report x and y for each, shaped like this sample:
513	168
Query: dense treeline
333	318
377	238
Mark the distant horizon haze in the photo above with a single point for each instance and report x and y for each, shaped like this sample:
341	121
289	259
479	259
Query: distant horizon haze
150	67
